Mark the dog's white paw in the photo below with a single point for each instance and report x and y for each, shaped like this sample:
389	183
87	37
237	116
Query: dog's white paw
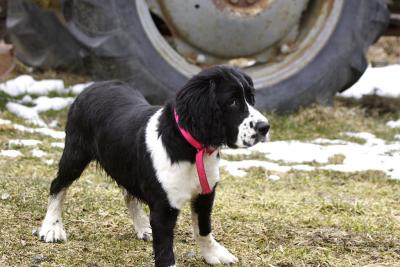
144	233
141	224
214	253
219	255
52	232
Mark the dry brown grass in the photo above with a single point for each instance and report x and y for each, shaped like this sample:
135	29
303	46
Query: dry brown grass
320	218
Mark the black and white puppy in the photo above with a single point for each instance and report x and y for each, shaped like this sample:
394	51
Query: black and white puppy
141	147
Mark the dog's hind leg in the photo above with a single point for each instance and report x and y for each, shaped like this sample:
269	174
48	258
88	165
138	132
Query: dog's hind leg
141	222
210	249
72	164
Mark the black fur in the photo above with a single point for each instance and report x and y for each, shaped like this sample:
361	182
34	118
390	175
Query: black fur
202	205
107	124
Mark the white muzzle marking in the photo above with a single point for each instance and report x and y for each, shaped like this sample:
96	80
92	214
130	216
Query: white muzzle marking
248	135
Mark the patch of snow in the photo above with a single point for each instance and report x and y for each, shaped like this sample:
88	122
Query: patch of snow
25	112
375	154
232	169
24	142
54	123
25	84
57	145
274	177
78	88
17	86
293	151
10	153
5	196
42	103
43	131
45	103
37	153
49	162
48	132
238	151
393	124
369	138
27	99
44	87
324	141
382	81
237	168
5	122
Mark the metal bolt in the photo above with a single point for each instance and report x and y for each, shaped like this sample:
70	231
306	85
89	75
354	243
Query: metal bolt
285	49
201	58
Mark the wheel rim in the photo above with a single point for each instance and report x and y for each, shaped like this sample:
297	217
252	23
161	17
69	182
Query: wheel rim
318	23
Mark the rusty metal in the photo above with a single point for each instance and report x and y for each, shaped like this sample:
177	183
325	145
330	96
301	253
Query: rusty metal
242	7
247	28
283	59
247	7
7	59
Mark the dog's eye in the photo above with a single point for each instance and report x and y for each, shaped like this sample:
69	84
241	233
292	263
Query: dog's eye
233	103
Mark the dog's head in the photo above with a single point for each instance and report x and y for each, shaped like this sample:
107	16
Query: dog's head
216	107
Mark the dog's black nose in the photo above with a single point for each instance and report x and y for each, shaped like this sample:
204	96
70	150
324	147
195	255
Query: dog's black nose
262	128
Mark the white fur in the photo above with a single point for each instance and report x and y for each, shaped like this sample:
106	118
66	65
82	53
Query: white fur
247	127
52	229
141	222
179	180
211	250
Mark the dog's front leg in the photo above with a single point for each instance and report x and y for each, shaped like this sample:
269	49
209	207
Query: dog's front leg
211	250
162	220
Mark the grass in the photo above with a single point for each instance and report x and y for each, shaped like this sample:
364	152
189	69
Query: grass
320	218
329	122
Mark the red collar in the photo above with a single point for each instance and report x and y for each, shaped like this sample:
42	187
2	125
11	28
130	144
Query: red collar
201	171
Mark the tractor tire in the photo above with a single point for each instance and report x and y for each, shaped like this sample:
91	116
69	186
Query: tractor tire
337	66
120	45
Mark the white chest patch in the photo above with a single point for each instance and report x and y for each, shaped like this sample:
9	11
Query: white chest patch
179	180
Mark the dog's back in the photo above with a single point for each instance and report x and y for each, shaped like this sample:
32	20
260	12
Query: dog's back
106	123
106	103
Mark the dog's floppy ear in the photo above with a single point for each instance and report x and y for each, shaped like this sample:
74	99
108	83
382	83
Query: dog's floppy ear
199	111
248	80
248	85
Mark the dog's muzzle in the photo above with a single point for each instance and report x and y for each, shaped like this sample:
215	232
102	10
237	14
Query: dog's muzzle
253	129
262	129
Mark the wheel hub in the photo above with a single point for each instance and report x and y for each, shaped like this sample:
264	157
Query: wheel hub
231	28
317	24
